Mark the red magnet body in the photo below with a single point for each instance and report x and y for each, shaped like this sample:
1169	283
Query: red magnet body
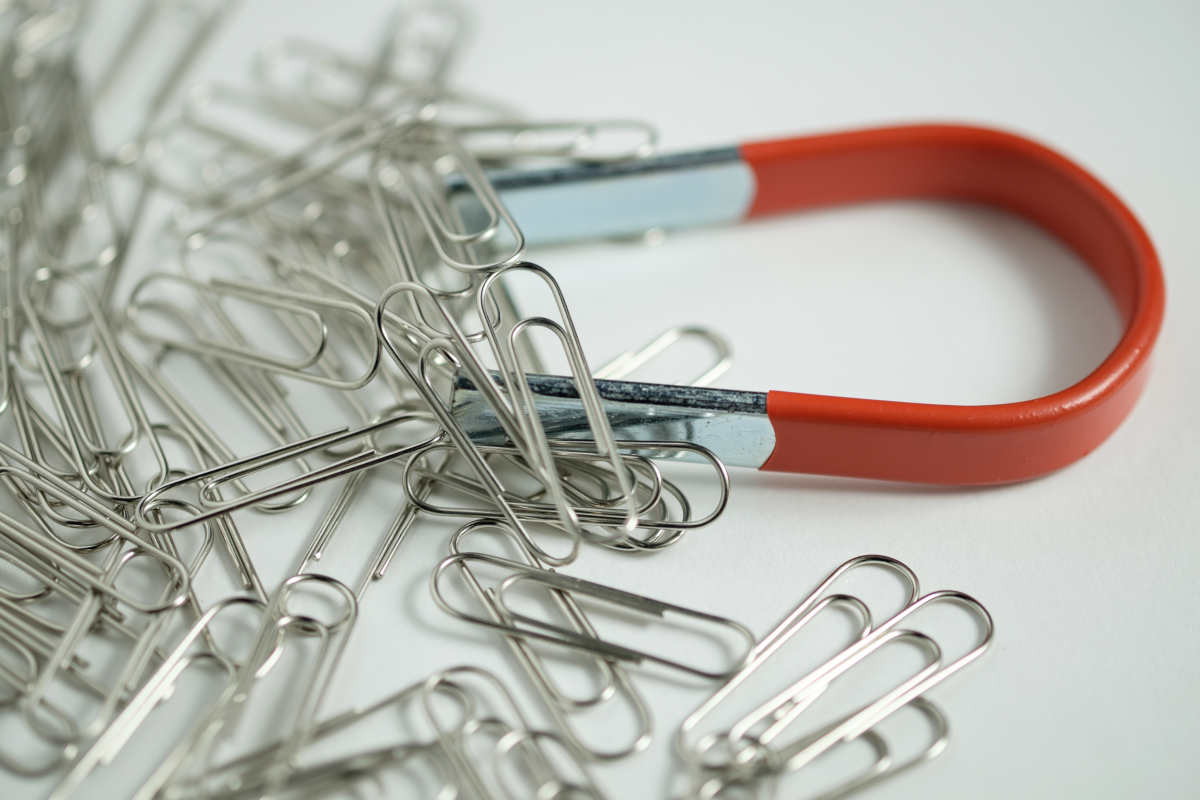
963	445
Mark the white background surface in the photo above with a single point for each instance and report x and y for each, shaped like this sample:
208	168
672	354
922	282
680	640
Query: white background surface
1090	688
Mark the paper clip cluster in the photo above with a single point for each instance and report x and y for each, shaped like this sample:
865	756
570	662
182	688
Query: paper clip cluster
331	233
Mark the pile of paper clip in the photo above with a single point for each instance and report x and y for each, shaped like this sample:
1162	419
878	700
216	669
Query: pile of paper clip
338	267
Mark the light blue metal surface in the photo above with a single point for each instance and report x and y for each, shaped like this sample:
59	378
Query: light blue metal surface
732	424
576	202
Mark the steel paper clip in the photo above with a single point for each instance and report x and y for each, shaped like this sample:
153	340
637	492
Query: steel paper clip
612	679
523	625
757	746
514	742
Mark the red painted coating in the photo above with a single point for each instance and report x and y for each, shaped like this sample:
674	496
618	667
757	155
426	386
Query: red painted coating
963	445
